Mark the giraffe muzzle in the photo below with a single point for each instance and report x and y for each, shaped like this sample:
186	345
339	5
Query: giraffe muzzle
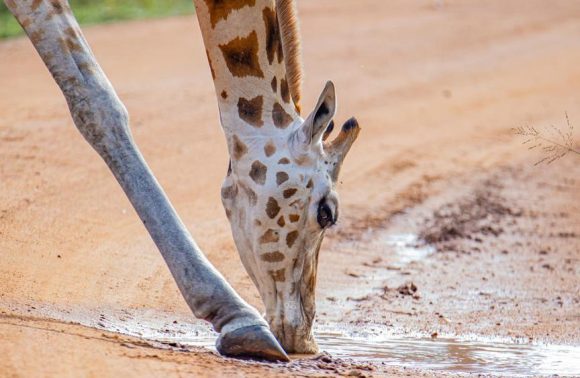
292	326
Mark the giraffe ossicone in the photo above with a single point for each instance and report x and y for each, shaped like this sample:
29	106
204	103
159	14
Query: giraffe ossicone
280	191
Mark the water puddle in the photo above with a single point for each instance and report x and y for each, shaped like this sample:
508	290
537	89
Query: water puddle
407	248
444	354
455	355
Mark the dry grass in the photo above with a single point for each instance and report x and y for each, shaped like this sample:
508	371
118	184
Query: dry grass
553	143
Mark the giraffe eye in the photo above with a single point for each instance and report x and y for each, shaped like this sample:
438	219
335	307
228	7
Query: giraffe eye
325	217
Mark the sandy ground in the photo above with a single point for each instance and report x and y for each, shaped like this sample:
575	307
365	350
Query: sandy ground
436	88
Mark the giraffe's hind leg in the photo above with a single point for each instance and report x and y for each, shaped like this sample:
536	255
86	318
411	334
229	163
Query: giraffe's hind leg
103	121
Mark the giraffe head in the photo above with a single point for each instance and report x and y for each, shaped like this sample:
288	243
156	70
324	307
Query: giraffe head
280	198
280	191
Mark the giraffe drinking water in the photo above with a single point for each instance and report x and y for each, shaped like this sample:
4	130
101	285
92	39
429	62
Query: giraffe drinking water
279	193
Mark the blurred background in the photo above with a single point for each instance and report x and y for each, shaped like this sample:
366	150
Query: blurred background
94	11
450	227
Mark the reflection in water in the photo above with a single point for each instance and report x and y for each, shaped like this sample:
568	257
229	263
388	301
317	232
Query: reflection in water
407	248
446	354
456	355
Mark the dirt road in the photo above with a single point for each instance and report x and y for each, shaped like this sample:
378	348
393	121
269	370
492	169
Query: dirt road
436	86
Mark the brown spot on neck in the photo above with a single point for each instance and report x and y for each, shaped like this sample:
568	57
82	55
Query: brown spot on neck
294	218
251	110
290	192
274	84
284	91
239	148
224	94
278	275
281	177
269	149
273	257
291	238
272	208
258	172
221	9
252	197
241	56
281	222
280	117
269	236
284	161
229	192
273	41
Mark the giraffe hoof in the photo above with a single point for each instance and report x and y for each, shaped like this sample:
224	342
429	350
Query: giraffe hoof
255	342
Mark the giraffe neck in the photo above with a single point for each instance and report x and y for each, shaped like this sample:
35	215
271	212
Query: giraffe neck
245	54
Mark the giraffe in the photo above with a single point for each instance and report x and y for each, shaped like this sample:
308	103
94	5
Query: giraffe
279	193
280	190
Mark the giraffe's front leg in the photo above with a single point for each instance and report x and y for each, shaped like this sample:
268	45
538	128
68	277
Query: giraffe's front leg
103	120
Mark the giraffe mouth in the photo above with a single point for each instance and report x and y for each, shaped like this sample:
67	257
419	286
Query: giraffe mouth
294	311
292	326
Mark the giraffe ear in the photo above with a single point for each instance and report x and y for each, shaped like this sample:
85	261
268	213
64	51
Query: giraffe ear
317	122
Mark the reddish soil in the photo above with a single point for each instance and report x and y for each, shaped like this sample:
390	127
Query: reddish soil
437	88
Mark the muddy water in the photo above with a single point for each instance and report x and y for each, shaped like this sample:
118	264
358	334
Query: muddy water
375	344
481	356
456	355
406	248
478	355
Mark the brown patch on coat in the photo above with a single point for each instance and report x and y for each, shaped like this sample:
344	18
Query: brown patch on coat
269	149
71	32
251	110
252	197
72	45
274	84
221	9
284	161
240	148
57	6
281	222
241	56
36	36
291	238
284	91
273	257
278	275
229	192
281	177
294	218
224	94
289	192
280	117
269	236
272	208
36	4
273	40
258	172
310	184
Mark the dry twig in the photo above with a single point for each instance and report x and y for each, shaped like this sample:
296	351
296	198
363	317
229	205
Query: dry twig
553	143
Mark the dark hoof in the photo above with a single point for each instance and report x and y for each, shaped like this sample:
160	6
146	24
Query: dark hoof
256	342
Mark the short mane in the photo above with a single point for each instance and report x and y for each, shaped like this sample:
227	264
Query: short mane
290	33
